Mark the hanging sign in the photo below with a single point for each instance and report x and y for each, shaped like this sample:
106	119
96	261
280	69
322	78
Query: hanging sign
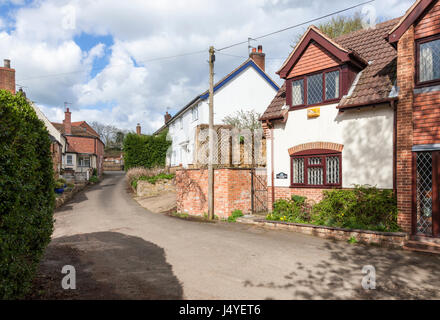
282	175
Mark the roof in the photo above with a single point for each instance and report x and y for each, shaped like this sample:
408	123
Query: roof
249	63
80	128
373	84
411	15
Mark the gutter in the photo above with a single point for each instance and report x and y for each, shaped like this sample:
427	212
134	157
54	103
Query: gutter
366	104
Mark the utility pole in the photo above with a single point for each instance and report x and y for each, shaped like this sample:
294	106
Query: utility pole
211	135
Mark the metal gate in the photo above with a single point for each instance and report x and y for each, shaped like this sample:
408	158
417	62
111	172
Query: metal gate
259	190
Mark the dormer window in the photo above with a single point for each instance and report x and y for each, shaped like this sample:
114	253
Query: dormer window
428	52
318	88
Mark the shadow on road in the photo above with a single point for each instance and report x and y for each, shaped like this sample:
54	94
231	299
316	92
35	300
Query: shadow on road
108	265
399	275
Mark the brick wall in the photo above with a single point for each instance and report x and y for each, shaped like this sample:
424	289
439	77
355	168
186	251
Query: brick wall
312	194
88	145
55	149
405	82
430	24
232	189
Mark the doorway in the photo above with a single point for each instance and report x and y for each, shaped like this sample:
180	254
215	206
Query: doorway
426	221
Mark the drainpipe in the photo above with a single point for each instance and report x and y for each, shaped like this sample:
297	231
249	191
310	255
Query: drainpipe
394	106
272	169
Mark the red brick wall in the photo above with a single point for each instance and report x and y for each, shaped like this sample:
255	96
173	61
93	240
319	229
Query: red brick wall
88	145
55	148
405	82
232	189
427	118
430	24
312	194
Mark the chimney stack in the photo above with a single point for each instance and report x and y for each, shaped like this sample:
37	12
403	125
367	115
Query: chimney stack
7	76
138	129
167	117
67	122
259	57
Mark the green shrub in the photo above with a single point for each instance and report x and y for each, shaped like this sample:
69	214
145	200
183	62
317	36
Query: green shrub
26	194
145	151
363	207
234	215
63	181
152	179
94	179
59	185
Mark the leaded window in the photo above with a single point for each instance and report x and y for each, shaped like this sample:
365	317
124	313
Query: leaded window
429	61
318	168
332	85
298	92
314	89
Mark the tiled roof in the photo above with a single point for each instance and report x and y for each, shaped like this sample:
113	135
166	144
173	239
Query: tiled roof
77	129
376	80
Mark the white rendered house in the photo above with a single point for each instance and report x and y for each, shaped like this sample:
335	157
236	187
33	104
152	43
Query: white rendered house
247	87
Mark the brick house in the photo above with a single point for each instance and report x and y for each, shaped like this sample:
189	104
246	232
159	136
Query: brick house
85	150
363	109
58	141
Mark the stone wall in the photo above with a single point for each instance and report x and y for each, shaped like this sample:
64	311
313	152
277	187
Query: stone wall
146	189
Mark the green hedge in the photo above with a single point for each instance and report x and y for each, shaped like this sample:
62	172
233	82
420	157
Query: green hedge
145	151
362	207
26	194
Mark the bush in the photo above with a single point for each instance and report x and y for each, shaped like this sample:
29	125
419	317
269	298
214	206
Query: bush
234	215
140	173
27	194
152	179
363	207
59	185
295	209
145	151
94	179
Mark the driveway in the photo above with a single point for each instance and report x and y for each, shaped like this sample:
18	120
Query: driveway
122	251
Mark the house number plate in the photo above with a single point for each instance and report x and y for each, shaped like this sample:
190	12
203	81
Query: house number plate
282	175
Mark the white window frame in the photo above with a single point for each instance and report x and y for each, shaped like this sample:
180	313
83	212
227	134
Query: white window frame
195	113
71	159
81	160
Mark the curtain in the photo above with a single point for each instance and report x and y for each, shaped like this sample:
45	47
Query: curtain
426	62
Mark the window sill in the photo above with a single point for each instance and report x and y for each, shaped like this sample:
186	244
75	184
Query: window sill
314	105
313	187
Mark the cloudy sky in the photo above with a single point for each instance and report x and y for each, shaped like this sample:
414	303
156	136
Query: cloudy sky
99	55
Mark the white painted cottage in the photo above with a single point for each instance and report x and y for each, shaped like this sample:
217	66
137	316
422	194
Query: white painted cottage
247	87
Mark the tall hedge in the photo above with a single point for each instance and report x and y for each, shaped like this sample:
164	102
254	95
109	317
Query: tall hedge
26	194
145	151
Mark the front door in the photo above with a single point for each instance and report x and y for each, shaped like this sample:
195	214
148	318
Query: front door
426	220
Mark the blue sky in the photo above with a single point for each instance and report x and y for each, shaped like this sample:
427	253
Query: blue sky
97	54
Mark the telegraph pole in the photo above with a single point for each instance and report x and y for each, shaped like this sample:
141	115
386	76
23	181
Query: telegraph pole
211	135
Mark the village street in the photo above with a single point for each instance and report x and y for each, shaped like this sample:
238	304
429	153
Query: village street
121	250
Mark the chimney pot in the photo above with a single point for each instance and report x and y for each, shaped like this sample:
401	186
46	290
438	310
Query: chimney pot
7	63
254	49
67	122
167	117
260	49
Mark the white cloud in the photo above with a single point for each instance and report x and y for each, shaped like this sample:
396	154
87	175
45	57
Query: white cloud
130	89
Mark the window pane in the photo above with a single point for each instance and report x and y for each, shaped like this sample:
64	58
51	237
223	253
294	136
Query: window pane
298	92
332	85
315	161
314	89
315	176
332	170
298	171
430	61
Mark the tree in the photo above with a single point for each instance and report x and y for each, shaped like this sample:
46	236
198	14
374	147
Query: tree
27	195
109	134
244	120
339	25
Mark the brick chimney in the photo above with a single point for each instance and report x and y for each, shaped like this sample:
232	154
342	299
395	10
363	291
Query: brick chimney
259	57
167	117
138	129
7	77
67	122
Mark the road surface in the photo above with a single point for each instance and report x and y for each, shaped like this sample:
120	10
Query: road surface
122	251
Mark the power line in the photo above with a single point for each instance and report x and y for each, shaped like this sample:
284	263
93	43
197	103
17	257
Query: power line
295	26
204	51
243	57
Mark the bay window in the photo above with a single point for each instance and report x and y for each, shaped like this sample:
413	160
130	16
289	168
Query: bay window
428	53
84	161
316	168
316	88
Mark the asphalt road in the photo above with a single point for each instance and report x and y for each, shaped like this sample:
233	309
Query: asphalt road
121	250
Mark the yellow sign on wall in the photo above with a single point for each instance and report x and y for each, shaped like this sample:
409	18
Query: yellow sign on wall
313	112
